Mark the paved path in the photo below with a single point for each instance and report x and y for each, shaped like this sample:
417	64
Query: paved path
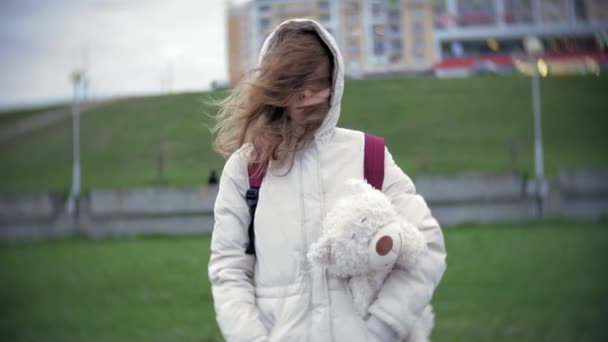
42	120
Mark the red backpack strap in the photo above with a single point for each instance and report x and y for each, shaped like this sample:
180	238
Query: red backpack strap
256	175
373	161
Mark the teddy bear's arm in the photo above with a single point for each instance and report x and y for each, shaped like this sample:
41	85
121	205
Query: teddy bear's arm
364	289
363	294
413	244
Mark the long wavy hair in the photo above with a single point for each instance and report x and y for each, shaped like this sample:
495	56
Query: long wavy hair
256	111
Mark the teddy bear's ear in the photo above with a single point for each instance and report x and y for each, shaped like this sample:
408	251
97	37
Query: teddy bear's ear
319	252
357	186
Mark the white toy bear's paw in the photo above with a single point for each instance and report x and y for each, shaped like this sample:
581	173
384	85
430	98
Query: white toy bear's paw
318	253
357	186
413	245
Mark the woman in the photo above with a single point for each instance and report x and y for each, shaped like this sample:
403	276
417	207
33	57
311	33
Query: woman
284	118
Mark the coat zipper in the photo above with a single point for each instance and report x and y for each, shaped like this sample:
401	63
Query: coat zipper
322	212
302	209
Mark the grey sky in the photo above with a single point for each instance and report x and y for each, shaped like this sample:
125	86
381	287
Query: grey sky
127	46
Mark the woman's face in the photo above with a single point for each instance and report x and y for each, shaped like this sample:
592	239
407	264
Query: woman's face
307	98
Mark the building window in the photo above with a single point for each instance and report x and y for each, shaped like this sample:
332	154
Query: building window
394	29
420	59
379	48
378	31
419	47
394	16
554	10
476	12
419	53
352	6
482	47
395	57
457	49
352	22
377	9
264	24
417	22
441	17
324	17
353	49
396	45
580	10
264	9
518	11
324	5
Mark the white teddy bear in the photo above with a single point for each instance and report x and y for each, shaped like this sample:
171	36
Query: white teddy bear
363	238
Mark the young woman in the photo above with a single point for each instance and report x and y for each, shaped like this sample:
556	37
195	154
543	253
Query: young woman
284	118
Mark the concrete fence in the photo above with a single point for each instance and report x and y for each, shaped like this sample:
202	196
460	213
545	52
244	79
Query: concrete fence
453	200
155	210
476	198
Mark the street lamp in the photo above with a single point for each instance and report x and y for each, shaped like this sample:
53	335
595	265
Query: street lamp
534	48
77	78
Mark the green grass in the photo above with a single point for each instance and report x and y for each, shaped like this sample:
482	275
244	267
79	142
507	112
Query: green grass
431	126
121	144
534	282
462	125
130	290
10	117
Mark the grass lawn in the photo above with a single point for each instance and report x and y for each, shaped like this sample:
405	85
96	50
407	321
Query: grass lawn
535	282
432	126
10	117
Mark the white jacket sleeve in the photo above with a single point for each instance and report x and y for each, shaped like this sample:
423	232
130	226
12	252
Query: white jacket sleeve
230	269
406	293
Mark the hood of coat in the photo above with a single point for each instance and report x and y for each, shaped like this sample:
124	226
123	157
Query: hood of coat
331	120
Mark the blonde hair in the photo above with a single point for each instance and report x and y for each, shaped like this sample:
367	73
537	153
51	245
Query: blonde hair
256	111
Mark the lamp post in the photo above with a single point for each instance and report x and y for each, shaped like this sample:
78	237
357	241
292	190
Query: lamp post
72	205
534	48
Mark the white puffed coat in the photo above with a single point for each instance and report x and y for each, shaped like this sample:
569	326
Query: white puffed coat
276	295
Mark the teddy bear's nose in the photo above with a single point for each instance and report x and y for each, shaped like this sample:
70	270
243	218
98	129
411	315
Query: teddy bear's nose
384	245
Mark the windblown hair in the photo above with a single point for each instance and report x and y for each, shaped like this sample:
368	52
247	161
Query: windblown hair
256	110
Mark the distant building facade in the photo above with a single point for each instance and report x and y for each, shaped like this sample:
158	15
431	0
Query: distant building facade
473	27
383	37
371	34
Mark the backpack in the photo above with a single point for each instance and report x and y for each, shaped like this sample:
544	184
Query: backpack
373	171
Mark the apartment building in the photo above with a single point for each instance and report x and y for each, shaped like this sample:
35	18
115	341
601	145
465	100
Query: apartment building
370	33
393	37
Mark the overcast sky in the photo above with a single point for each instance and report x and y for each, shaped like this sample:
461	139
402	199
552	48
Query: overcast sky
127	47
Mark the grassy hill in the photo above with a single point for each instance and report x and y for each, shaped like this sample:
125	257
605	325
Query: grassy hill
431	126
12	116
